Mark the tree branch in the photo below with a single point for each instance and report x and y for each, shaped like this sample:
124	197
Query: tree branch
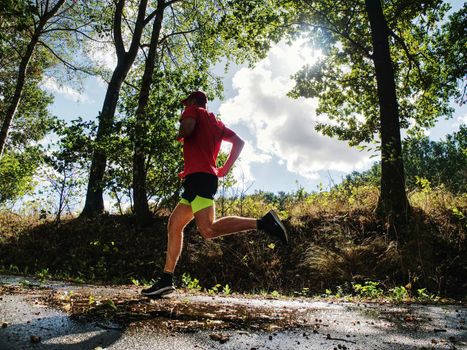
171	2
118	39
131	85
153	13
77	31
66	63
410	57
165	37
139	26
127	22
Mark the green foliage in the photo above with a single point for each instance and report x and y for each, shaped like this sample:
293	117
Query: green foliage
226	290
399	293
67	162
213	30
251	26
42	274
16	173
369	290
343	79
424	295
214	289
163	153
439	162
190	283
21	33
428	164
135	281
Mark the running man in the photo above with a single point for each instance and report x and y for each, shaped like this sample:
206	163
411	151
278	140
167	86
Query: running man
202	135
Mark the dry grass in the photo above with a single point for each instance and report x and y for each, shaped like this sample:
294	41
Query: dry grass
335	240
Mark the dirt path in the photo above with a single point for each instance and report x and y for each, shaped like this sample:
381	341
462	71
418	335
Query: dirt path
54	315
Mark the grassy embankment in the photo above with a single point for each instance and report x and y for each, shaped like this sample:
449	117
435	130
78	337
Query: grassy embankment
336	244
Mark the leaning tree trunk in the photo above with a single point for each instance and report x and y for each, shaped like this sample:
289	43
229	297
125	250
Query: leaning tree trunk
139	169
393	203
94	197
94	204
22	72
15	101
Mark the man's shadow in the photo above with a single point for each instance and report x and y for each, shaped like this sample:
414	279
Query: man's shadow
58	333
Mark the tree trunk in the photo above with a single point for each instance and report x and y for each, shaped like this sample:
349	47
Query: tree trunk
94	197
139	169
94	204
393	204
22	71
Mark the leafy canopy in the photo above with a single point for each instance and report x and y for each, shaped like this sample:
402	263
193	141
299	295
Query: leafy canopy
344	81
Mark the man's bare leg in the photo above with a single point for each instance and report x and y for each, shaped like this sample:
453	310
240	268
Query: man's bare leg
179	218
211	228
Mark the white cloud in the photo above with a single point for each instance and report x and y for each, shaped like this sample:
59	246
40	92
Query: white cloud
282	126
52	85
460	120
249	155
102	54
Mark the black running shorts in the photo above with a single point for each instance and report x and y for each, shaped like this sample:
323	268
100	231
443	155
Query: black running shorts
199	184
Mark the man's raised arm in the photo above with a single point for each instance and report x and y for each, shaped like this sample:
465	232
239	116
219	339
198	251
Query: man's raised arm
237	146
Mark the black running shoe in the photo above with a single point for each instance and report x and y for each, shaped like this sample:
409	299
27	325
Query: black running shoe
271	224
159	289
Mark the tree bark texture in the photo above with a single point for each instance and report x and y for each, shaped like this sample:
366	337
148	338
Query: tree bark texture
393	203
139	156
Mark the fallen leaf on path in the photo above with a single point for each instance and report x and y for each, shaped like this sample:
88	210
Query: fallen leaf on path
221	338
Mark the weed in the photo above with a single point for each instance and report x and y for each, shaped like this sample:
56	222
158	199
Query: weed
135	281
214	289
303	293
423	295
190	283
27	284
368	290
457	213
42	274
399	294
275	294
110	304
13	269
226	290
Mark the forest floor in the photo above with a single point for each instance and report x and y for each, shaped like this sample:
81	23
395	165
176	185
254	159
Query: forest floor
43	314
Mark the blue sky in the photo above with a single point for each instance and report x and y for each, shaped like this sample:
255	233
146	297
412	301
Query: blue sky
282	147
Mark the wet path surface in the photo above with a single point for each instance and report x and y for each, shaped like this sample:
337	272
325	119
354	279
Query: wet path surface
63	316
